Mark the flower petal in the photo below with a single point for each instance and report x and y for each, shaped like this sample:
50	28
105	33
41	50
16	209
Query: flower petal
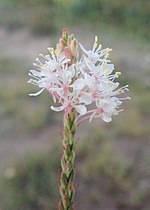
85	99
106	118
37	93
36	73
83	49
78	84
57	109
81	109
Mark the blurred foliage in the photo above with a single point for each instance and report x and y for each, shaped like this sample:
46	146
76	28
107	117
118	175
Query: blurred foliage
41	17
42	20
140	93
31	2
105	177
131	15
136	119
45	16
17	105
37	16
31	184
109	181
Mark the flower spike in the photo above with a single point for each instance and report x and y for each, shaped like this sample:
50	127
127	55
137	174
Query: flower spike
79	82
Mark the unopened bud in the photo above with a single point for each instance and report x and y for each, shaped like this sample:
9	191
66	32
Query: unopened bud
69	42
65	34
62	44
73	47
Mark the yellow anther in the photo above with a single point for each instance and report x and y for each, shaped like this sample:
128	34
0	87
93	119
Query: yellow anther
56	51
100	46
51	50
120	91
118	73
96	39
103	64
107	55
106	73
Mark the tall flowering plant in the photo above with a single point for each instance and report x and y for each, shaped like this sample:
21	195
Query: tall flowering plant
83	84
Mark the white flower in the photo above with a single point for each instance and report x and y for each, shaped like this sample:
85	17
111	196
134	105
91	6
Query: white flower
100	69
106	108
44	79
96	54
54	60
47	74
90	80
70	102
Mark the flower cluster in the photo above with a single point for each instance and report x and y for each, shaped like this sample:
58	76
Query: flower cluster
83	80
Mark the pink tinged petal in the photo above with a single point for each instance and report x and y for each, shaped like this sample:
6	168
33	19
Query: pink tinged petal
101	103
79	84
57	109
72	70
96	113
85	99
59	92
109	108
67	76
89	81
81	109
75	93
37	93
106	118
54	96
107	105
52	79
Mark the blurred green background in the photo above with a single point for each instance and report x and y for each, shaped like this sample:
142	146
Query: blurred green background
112	167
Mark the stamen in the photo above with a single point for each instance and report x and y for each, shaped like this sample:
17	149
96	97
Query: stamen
125	98
84	118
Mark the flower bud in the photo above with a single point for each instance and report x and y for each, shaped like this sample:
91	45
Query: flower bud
65	34
62	44
73	47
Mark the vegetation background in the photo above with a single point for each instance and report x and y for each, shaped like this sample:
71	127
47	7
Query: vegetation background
112	167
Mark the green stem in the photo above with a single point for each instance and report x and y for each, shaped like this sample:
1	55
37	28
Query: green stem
66	186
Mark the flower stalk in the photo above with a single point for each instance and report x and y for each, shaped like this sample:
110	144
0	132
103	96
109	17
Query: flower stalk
66	186
82	83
